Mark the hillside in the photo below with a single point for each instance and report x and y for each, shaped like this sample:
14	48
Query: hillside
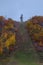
21	35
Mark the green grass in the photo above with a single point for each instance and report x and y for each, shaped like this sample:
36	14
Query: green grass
25	59
28	64
21	58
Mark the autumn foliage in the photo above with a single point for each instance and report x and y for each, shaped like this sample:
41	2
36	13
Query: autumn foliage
7	33
35	30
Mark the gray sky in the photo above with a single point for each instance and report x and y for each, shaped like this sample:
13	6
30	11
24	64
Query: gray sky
14	8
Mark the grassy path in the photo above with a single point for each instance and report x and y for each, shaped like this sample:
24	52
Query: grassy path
20	58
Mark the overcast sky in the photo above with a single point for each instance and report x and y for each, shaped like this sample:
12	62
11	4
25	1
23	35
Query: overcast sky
14	8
